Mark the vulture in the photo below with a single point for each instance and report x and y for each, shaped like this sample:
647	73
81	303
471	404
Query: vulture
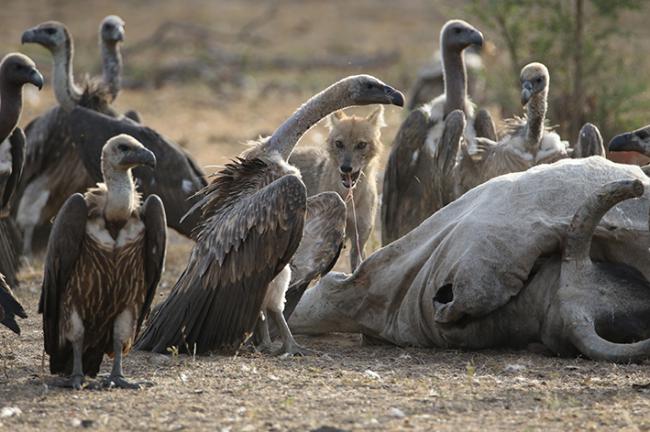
111	34
635	141
525	141
104	260
408	178
69	139
252	223
16	70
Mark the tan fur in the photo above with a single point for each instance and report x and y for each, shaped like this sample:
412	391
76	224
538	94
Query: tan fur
320	169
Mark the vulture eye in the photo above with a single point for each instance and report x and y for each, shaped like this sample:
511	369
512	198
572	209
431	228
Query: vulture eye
50	31
123	148
457	30
538	80
361	145
370	86
338	144
109	26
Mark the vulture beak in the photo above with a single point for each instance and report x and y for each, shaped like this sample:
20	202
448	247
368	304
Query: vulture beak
29	36
118	35
395	97
526	92
477	39
631	141
141	157
36	78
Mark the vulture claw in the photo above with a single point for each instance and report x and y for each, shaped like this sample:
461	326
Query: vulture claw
118	381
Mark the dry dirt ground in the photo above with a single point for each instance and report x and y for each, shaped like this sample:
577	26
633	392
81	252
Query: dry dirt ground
349	386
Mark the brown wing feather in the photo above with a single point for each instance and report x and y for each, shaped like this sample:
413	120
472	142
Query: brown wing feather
62	253
251	228
405	177
322	239
10	307
17	141
153	216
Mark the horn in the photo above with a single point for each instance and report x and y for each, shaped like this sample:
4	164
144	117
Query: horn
587	217
585	338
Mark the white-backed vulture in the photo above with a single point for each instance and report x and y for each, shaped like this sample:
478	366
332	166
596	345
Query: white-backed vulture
635	141
408	178
104	260
69	139
252	220
16	70
525	141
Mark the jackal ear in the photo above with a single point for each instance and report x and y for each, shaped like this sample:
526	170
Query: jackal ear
376	118
334	119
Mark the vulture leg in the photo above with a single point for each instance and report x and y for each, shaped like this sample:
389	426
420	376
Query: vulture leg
263	331
77	377
122	332
289	344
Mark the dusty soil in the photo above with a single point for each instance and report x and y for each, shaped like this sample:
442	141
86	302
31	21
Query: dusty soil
348	386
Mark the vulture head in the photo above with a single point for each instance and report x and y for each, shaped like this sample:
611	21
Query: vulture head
534	79
52	35
458	35
638	141
18	69
112	29
123	152
367	90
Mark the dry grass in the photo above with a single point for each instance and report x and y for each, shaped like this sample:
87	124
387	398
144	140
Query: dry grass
405	388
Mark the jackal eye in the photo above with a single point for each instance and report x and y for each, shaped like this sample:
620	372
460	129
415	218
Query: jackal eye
361	145
338	144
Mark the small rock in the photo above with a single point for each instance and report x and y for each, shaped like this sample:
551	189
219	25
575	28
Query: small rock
10	412
273	377
183	377
396	412
371	374
511	368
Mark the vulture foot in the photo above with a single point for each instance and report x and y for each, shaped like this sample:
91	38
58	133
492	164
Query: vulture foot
294	350
118	381
73	381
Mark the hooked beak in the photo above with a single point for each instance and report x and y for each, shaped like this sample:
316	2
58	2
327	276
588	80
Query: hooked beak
630	141
394	96
526	92
36	78
118	34
477	39
29	36
141	157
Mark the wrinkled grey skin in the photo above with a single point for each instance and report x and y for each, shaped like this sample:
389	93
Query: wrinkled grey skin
507	264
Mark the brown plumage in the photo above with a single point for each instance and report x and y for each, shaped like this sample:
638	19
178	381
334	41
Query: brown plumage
104	261
408	195
253	215
70	137
16	70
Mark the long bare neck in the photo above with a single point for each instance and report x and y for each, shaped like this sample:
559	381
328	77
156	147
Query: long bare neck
11	104
112	67
536	115
455	77
121	198
333	98
66	91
